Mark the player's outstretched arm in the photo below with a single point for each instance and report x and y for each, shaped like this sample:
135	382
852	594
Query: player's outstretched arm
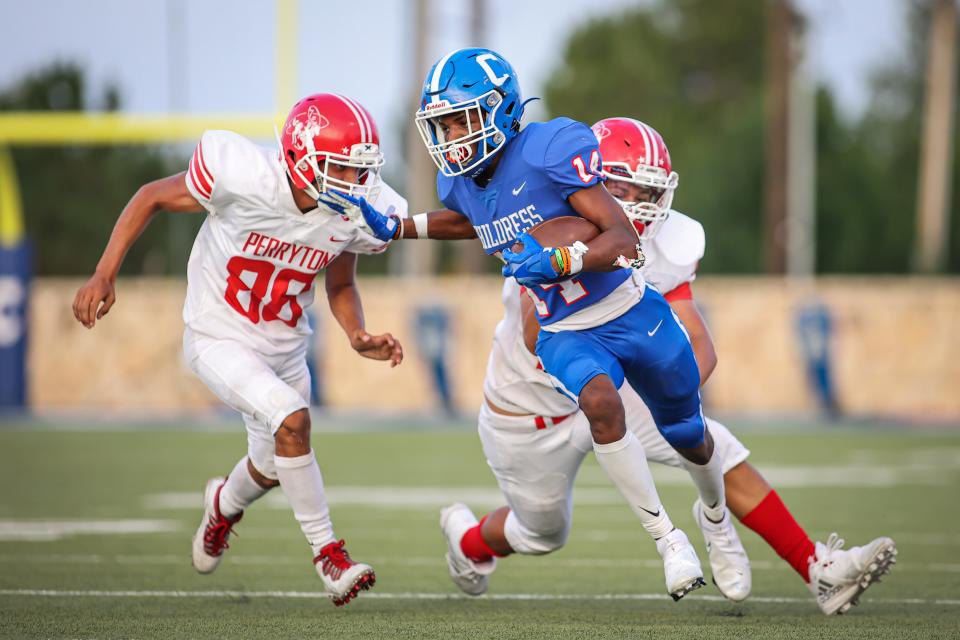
444	224
94	299
617	237
700	337
344	299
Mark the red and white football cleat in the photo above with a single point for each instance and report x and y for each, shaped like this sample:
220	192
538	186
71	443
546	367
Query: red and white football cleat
210	541
343	578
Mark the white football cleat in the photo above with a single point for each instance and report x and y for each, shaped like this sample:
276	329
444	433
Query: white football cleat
681	567
728	559
210	541
839	576
472	577
342	578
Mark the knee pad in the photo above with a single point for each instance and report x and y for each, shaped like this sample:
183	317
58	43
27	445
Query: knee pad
684	434
261	452
550	534
731	450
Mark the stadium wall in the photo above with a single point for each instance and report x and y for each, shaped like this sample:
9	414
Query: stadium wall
895	347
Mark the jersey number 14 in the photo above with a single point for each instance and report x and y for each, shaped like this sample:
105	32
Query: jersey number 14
570	290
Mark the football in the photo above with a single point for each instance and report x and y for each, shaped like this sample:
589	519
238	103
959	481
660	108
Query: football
561	232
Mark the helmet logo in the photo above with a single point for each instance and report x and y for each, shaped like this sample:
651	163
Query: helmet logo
484	62
601	131
305	126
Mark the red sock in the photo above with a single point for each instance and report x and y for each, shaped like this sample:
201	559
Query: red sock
772	521
473	545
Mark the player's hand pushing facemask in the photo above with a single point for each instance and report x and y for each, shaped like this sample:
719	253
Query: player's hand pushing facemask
380	226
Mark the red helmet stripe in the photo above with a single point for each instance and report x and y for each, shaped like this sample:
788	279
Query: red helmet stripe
356	114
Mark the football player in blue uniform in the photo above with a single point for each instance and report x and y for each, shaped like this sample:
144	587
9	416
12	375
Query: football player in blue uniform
498	181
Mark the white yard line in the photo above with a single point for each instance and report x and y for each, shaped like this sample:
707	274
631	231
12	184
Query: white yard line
598	492
49	530
404	561
50	593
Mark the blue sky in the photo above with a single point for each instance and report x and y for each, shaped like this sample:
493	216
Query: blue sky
218	55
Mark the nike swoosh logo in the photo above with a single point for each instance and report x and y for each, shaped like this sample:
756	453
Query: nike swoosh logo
517	191
655	329
653	513
333	239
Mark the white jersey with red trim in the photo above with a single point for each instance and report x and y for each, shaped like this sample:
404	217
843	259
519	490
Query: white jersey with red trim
673	254
253	264
514	380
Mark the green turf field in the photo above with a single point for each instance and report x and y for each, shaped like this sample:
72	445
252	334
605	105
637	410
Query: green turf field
386	490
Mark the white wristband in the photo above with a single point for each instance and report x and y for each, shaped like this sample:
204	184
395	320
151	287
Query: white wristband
420	222
577	249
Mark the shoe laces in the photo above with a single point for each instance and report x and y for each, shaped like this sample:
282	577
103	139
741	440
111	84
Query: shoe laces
217	532
467	570
834	543
334	556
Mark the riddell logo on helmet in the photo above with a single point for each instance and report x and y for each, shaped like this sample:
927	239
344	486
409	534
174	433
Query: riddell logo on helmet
306	126
436	105
601	131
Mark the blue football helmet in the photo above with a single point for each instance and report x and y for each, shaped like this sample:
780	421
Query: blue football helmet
480	83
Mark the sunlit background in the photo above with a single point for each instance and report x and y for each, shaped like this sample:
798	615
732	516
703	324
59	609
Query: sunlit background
814	141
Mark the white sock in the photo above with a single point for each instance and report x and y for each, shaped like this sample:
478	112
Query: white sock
239	491
625	463
302	483
709	481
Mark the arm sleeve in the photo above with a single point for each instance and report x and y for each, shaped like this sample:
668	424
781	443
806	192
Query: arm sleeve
572	159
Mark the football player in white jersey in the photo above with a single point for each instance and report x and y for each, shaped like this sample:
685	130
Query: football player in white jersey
268	232
534	438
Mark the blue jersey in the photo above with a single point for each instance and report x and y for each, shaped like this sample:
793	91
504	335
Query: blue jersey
538	171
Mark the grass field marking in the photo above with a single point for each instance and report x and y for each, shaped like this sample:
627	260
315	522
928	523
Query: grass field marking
52	593
416	497
51	530
406	561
